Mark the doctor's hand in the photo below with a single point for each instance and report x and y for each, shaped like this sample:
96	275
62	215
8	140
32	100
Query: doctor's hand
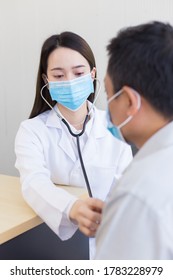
87	214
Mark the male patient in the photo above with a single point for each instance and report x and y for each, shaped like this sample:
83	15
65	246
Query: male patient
138	217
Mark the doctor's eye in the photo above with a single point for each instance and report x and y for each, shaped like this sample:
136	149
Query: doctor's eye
58	76
78	74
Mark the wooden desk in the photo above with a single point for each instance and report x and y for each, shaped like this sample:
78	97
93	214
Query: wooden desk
16	216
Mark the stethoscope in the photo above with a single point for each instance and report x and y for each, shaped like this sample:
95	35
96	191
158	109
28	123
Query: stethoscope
76	135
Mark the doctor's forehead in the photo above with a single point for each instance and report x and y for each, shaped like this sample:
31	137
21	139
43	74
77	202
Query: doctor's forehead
63	58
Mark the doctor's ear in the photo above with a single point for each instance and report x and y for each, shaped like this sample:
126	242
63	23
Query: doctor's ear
133	99
44	77
93	73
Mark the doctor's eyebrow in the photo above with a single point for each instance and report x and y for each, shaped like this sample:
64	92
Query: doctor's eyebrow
78	66
74	67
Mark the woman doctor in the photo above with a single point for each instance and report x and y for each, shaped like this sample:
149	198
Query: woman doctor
46	152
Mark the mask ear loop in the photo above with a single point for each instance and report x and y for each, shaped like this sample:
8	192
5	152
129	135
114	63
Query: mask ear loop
138	99
114	96
138	107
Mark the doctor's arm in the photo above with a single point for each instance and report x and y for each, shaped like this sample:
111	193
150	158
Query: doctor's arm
48	201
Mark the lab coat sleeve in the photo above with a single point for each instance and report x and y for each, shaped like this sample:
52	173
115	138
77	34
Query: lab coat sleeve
131	230
48	201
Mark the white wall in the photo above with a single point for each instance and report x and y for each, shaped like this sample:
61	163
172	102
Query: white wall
25	24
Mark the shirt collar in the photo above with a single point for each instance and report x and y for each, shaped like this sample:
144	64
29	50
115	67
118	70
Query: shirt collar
162	138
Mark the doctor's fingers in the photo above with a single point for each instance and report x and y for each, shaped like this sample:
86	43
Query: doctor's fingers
88	227
90	219
87	231
95	204
89	215
85	210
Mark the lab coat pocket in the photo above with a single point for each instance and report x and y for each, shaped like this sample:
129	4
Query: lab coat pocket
101	179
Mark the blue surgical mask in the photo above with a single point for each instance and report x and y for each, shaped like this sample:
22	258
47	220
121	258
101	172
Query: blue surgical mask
116	130
72	94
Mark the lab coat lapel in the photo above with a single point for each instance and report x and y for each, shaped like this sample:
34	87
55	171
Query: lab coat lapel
66	146
64	136
90	148
97	131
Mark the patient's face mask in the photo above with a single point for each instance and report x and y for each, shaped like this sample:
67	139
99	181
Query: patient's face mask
72	94
116	130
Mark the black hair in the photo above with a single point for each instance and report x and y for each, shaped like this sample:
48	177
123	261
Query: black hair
141	57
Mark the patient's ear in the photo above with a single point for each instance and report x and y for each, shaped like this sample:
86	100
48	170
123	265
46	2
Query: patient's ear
133	100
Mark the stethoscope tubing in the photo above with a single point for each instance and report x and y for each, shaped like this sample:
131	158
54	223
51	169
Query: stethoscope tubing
76	135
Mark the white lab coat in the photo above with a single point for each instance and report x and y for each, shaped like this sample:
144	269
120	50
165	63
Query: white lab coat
137	221
46	155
